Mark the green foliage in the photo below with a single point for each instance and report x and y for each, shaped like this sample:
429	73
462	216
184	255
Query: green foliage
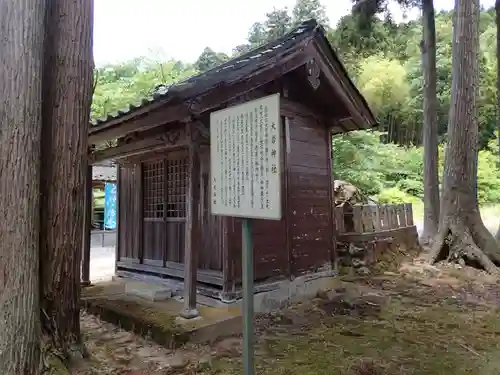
488	181
363	160
384	60
392	174
411	187
279	21
385	57
395	196
209	59
383	83
127	83
98	195
382	57
306	9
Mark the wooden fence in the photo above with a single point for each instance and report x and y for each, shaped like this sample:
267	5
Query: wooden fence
373	218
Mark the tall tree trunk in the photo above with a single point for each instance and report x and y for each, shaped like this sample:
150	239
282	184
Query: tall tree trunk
462	233
21	49
430	130
67	87
497	19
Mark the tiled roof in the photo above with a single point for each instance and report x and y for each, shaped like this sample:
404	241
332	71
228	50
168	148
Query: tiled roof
230	71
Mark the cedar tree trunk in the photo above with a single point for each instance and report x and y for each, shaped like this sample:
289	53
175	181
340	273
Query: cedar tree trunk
67	88
497	19
430	131
462	233
21	51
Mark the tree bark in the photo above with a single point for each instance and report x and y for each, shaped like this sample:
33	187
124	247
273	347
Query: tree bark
21	49
462	233
430	128
67	88
497	19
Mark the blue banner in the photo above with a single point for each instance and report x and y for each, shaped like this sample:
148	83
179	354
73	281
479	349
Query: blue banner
109	206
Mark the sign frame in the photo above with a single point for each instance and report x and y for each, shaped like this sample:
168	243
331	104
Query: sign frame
270	151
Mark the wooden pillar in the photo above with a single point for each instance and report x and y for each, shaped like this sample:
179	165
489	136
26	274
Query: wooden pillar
285	123
118	208
331	216
87	228
191	241
139	213
228	272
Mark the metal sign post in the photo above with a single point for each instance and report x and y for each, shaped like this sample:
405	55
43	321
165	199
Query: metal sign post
245	174
248	352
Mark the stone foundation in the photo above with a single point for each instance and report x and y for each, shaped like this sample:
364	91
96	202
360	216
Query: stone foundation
280	294
371	253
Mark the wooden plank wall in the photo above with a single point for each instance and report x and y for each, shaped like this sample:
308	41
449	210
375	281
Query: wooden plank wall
309	208
211	231
129	214
271	258
154	242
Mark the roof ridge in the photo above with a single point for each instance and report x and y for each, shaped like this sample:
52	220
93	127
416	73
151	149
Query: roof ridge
308	26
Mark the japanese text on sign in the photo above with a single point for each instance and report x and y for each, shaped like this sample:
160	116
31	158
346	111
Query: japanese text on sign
245	149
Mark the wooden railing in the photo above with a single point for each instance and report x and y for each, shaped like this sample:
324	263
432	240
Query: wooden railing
373	218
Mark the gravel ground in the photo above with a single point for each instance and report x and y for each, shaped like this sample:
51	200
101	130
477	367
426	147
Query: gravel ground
102	263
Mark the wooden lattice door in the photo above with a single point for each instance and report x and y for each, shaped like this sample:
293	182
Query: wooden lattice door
164	202
154	227
175	214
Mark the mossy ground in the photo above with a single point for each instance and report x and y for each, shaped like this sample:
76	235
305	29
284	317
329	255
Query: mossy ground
139	318
137	310
398	327
426	320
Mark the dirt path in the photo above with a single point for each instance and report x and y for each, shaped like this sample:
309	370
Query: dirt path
424	320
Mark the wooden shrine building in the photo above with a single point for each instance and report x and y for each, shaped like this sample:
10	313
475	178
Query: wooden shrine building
165	228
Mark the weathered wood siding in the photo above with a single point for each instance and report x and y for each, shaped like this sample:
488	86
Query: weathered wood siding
212	239
301	242
373	218
271	258
152	213
309	209
129	212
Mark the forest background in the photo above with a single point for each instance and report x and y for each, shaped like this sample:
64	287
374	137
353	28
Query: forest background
385	63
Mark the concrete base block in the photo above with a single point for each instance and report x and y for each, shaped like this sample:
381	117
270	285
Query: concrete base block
300	289
150	292
189	314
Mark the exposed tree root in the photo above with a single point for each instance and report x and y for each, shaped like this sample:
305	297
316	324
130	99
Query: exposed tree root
455	242
55	361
